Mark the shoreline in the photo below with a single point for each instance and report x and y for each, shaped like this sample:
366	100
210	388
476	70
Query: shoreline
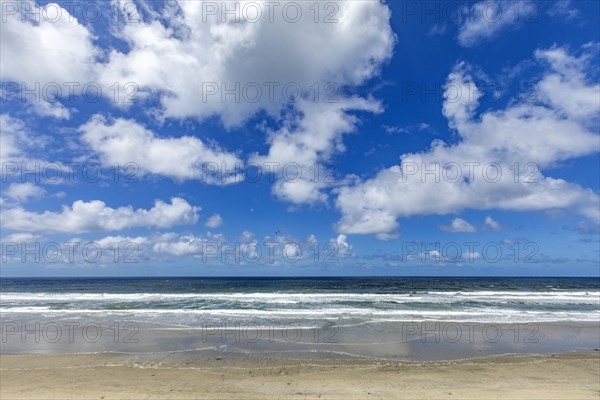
407	342
572	376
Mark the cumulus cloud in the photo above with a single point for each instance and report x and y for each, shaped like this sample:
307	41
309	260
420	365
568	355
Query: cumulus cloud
568	76
277	55
214	221
385	237
125	141
55	49
206	52
488	18
247	249
77	251
491	224
408	129
18	144
343	247
12	138
525	135
272	65
300	148
458	225
23	191
21	238
564	9
108	241
95	215
179	245
471	255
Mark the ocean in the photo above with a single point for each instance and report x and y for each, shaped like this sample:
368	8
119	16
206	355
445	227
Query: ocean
376	317
190	302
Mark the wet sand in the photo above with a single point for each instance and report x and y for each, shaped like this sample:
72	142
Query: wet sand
554	376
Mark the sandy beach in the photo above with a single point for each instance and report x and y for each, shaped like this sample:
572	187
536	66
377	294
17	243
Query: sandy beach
570	376
258	342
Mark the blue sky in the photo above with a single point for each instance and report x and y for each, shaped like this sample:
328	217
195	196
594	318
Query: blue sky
450	138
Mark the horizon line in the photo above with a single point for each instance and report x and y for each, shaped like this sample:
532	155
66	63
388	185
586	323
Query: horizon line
296	276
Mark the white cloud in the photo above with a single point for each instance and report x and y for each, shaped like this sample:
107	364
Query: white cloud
50	109
539	134
27	41
458	225
247	249
488	18
108	241
96	216
214	221
471	255
437	30
19	147
564	9
109	250
568	76
23	191
343	247
204	51
211	54
408	129
273	52
12	138
45	50
491	224
125	141
299	148
247	235
385	237
291	251
21	238
180	245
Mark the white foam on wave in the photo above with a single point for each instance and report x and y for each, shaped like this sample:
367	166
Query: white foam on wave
497	306
294	298
334	314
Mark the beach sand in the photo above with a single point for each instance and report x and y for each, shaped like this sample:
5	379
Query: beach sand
570	376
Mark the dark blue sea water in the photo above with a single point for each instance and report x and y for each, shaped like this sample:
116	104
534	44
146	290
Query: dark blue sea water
189	302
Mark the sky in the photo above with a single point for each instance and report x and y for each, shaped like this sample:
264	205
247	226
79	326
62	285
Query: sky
199	138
